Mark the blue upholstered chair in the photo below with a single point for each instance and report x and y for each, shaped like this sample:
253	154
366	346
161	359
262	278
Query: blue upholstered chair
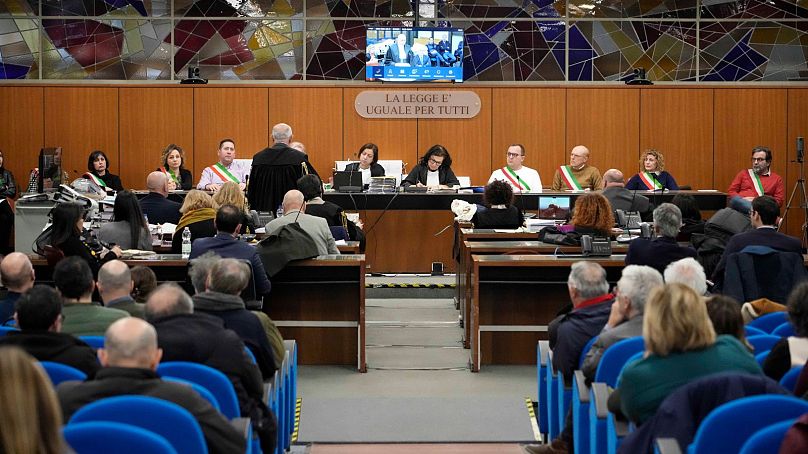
102	437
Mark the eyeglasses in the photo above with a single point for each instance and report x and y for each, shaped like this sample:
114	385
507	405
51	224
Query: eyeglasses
758	159
433	161
513	155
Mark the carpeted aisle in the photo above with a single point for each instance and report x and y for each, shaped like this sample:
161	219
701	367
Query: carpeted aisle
420	419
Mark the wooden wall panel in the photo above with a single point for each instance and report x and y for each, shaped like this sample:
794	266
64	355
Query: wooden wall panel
679	123
396	138
80	120
236	113
23	130
797	127
150	120
607	121
534	117
468	140
315	115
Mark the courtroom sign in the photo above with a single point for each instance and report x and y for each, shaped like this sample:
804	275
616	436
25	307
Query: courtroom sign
417	104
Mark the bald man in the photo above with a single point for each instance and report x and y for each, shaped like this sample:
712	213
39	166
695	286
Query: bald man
578	175
155	205
129	358
294	210
18	276
115	287
276	170
614	189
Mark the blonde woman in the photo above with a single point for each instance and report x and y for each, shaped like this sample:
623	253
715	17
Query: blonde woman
231	194
29	411
652	174
680	346
198	211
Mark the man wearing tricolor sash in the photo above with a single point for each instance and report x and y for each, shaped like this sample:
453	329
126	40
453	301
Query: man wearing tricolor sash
755	182
227	169
520	178
578	175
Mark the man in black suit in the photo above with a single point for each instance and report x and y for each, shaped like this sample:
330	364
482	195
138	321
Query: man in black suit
155	205
399	51
764	214
663	249
620	198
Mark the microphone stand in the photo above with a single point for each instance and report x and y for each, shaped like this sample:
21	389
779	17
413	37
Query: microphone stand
800	184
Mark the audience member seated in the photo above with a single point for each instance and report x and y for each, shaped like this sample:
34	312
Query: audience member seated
578	175
312	189
129	358
173	165
725	314
32	420
662	250
756	182
68	235
128	228
591	305
294	212
201	338
689	272
681	346
434	169
791	351
155	205
621	198
144	281
8	191
499	211
691	216
82	317
226	279
764	214
519	177
198	212
225	244
98	172
39	317
368	163
653	174
231	194
17	275
592	215
115	287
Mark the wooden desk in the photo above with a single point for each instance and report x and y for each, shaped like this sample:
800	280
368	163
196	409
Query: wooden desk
514	299
167	267
350	247
321	304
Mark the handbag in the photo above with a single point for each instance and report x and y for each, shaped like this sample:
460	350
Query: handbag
552	235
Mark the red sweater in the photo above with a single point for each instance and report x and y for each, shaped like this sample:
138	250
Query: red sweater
772	185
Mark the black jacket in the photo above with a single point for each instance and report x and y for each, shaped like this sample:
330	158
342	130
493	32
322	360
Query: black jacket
75	245
8	187
159	209
498	218
275	170
220	436
57	347
419	174
201	229
764	236
113	181
657	253
376	170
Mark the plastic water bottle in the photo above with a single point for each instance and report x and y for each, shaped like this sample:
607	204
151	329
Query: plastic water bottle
279	212
186	243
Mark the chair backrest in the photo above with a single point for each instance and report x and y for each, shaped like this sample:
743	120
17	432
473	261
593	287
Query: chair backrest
201	390
769	322
586	349
729	426
789	380
60	372
339	232
52	254
761	357
767	440
615	357
216	382
6	329
762	343
95	342
162	417
752	331
784	330
101	437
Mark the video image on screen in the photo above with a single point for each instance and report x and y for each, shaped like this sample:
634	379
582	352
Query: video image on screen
554	207
414	54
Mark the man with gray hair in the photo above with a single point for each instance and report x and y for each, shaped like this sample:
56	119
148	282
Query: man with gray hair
275	170
115	287
662	250
129	358
689	272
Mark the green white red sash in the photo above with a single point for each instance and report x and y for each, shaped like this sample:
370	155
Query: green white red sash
756	182
649	181
569	178
510	174
223	173
170	174
95	179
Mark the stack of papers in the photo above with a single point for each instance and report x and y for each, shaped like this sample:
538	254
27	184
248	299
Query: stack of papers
382	184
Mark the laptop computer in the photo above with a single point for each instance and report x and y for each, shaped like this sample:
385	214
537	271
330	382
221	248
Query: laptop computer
556	208
345	181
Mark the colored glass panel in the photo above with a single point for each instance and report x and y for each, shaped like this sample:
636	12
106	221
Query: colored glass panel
19	48
19	8
756	9
238	8
655	9
108	8
483	9
359	8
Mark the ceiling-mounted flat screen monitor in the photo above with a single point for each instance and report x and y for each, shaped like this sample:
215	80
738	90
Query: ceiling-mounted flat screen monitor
405	54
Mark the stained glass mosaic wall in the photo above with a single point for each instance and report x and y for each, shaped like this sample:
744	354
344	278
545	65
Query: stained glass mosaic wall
506	40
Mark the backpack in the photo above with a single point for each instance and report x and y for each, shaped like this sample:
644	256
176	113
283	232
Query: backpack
710	246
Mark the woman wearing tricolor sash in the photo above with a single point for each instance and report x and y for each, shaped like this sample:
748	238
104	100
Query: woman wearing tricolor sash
653	175
173	160
97	171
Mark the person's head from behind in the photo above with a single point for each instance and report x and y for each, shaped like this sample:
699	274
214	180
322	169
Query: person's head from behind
586	280
231	194
228	276
68	220
228	219
725	314
592	210
200	270
765	211
74	278
282	133
688	206
128	209
40	309
311	186
667	220
17	272
196	200
689	272
98	162
29	410
130	342
144	281
167	300
293	200
797	307
368	155
114	280
157	182
498	193
634	287
436	157
298	146
172	157
613	178
676	321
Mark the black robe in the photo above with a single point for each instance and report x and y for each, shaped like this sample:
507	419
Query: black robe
275	170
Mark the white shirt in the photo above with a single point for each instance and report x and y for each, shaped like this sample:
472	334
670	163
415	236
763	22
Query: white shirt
365	175
432	178
528	175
